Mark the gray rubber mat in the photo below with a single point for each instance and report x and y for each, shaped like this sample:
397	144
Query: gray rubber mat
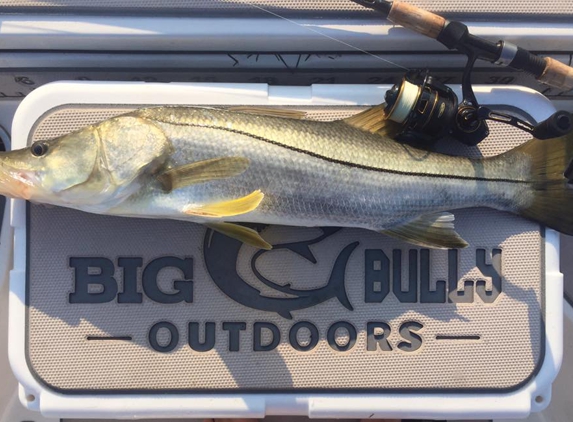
130	305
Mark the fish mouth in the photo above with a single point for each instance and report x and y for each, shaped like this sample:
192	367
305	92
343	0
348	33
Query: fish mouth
16	183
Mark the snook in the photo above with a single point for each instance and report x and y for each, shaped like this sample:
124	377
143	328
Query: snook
220	167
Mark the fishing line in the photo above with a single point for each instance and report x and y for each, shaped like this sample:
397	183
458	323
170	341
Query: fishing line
322	34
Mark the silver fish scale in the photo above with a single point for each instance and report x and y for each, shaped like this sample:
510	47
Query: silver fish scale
335	141
319	174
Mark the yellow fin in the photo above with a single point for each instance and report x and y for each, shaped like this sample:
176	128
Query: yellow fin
242	233
228	208
430	231
552	177
272	112
202	171
374	120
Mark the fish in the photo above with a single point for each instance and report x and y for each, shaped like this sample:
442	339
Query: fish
226	168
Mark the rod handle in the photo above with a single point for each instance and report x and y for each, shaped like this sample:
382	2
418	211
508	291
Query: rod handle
416	19
557	74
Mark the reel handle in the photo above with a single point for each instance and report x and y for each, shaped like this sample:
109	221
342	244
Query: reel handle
558	124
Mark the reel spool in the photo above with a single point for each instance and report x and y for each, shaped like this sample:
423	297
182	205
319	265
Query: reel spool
424	107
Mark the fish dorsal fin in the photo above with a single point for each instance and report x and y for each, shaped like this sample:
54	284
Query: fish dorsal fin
373	120
270	112
430	231
202	171
229	208
241	233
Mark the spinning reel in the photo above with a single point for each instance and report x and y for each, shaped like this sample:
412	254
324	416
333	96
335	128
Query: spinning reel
428	110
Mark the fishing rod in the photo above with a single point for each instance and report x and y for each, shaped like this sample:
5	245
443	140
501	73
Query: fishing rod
429	109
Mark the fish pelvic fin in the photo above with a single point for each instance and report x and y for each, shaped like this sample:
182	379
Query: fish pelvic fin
434	231
229	208
374	120
202	171
244	234
552	182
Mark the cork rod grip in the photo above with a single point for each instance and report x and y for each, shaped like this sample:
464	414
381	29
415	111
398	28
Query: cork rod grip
412	17
557	74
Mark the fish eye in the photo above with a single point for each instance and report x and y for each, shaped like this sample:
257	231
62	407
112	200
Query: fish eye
39	149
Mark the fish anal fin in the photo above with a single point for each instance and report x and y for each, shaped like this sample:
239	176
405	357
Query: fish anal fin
229	208
430	231
270	112
244	234
374	120
202	171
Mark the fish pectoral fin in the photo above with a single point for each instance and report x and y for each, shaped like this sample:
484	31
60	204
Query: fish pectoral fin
271	112
374	120
430	231
230	208
202	171
241	233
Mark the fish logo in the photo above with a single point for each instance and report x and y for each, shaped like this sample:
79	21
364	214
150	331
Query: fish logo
221	254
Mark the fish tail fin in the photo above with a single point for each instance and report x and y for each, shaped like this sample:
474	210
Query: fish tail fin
551	174
337	277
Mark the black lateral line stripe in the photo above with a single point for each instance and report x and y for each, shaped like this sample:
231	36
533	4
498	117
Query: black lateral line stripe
104	338
344	163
